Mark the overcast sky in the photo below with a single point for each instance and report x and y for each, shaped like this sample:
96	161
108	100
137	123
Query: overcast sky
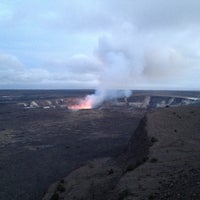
129	44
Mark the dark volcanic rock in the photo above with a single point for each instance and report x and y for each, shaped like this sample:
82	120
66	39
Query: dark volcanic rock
138	147
97	179
171	172
40	146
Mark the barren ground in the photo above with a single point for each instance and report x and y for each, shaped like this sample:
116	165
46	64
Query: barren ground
107	153
170	170
39	147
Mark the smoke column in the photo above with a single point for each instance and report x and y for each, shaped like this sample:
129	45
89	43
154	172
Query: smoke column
126	57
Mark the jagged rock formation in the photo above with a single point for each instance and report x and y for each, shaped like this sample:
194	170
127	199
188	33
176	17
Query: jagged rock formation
141	102
63	99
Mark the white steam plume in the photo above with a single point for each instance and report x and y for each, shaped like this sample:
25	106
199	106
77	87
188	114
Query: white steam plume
127	57
106	94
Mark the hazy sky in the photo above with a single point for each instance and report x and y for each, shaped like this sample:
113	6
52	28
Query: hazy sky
129	44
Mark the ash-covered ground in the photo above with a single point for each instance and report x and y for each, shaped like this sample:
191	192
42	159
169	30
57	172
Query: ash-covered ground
41	141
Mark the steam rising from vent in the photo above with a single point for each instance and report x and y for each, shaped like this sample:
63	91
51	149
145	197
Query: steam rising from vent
94	100
126	58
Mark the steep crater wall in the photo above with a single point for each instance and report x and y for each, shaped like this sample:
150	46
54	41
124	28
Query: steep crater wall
98	179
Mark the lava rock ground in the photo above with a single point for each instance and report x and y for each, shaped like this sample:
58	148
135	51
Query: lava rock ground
171	170
39	147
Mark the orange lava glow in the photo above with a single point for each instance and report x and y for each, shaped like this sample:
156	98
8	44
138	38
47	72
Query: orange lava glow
83	104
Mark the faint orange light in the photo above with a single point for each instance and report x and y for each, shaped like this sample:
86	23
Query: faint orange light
85	103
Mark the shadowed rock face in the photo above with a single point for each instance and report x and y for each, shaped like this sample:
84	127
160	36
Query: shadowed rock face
97	179
138	147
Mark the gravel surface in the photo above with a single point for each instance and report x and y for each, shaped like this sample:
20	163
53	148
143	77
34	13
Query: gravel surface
161	161
39	147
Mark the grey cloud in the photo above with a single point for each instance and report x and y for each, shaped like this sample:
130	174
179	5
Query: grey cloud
10	68
158	13
9	62
69	16
84	64
164	64
14	74
106	44
103	15
130	58
13	71
78	67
